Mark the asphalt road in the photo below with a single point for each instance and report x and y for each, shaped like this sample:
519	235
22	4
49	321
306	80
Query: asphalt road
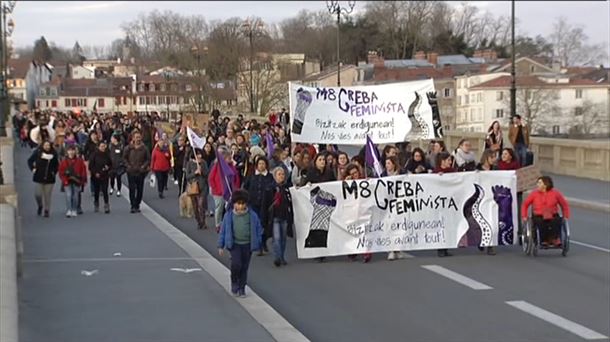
383	301
334	301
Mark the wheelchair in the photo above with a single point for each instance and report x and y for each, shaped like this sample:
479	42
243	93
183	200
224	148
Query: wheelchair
530	239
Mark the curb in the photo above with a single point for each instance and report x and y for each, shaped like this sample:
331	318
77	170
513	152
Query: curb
579	203
8	277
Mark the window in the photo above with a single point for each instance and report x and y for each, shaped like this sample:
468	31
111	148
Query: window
161	99
82	102
189	87
151	87
168	100
101	103
54	103
578	111
578	93
141	100
447	92
479	97
499	113
556	129
124	100
162	87
471	114
480	116
47	103
42	92
141	87
74	102
459	100
53	92
472	98
466	99
532	68
499	95
66	102
173	87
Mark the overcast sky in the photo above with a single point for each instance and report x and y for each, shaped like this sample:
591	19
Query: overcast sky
98	22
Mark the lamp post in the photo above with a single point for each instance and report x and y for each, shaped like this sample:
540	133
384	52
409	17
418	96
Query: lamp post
335	8
251	29
166	74
6	29
513	89
195	51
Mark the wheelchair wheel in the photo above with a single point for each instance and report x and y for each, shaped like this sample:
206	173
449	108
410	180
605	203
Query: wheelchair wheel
565	237
526	238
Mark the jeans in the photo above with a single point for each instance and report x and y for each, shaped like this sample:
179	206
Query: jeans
136	189
43	195
219	208
521	151
240	262
200	206
179	176
115	178
100	185
162	177
72	192
280	228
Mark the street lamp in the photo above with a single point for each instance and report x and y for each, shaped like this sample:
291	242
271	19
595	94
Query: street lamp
195	51
6	29
513	89
334	7
251	29
166	74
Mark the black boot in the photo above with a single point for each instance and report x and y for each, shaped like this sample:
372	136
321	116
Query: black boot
96	207
106	208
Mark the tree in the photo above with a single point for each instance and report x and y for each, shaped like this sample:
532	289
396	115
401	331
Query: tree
570	45
226	45
593	119
42	52
537	106
77	53
533	47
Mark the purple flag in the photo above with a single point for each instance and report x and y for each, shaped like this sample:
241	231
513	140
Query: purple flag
227	176
270	147
372	157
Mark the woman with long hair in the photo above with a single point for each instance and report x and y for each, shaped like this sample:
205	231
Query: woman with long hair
44	164
196	174
418	163
493	140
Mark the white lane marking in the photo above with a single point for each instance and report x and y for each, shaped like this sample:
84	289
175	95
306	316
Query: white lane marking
277	326
556	320
88	273
117	254
473	284
590	246
185	270
42	261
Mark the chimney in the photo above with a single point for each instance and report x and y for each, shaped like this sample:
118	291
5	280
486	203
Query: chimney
432	58
371	57
556	66
477	54
375	59
420	55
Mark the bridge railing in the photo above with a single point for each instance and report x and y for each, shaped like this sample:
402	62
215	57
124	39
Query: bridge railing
578	158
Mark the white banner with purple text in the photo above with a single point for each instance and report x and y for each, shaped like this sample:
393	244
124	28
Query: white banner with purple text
407	212
389	113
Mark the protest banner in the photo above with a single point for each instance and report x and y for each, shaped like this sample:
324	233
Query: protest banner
198	122
407	212
527	177
389	113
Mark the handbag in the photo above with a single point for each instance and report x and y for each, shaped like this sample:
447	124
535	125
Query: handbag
192	189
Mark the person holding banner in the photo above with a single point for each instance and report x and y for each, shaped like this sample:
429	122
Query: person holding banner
342	161
352	172
418	163
488	163
444	162
464	158
223	180
280	215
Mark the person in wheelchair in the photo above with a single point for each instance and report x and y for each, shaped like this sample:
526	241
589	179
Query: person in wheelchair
546	201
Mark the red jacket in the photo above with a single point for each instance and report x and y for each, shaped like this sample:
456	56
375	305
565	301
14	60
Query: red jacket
77	165
513	165
215	180
546	204
160	160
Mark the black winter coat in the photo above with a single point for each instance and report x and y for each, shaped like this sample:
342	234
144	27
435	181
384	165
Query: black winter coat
101	163
44	165
260	192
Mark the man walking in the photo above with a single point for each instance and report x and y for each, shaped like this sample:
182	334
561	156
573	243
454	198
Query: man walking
137	160
519	136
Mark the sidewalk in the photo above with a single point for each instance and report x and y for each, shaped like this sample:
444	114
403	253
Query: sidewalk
583	192
77	288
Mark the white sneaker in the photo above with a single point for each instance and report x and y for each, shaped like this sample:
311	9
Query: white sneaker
391	256
74	213
111	191
175	182
118	194
401	255
69	213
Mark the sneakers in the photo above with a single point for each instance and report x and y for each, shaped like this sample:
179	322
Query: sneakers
133	210
176	182
277	262
242	293
367	258
96	207
69	213
392	256
46	213
39	211
111	191
401	255
491	251
106	208
74	213
118	194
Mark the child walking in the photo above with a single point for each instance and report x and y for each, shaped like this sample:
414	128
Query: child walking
241	233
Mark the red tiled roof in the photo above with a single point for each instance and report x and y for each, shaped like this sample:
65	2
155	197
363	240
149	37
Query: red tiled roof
408	74
18	68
